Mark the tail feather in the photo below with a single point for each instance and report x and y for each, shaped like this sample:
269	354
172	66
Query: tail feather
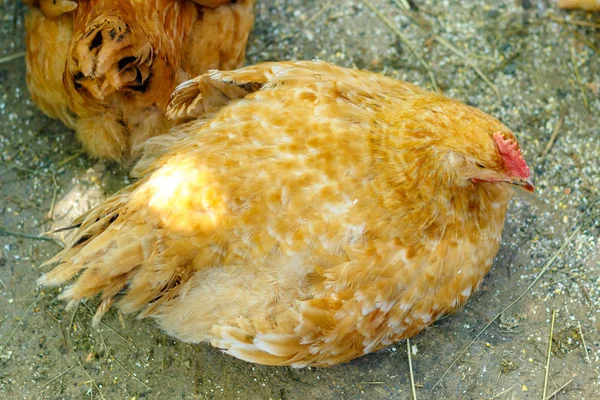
154	285
102	309
108	261
89	226
119	255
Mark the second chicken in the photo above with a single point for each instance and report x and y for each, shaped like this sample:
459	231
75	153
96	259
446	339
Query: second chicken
106	69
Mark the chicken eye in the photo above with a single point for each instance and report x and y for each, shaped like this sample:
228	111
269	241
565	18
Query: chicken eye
479	165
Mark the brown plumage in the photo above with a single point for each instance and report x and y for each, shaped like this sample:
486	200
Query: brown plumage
106	68
308	214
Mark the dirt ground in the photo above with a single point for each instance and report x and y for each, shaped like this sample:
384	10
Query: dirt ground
523	61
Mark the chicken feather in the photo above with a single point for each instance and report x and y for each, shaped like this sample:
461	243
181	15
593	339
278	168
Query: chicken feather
306	215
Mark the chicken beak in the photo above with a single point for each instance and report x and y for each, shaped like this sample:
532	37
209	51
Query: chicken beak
526	184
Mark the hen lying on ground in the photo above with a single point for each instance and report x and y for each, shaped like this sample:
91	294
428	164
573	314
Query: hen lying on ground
310	214
106	68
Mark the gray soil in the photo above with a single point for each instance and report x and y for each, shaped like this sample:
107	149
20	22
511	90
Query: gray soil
543	78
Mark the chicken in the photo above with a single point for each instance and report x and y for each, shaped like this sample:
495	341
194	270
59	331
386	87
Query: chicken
590	5
306	215
106	68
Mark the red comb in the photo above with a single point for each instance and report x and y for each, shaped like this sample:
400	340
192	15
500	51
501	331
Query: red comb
511	155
